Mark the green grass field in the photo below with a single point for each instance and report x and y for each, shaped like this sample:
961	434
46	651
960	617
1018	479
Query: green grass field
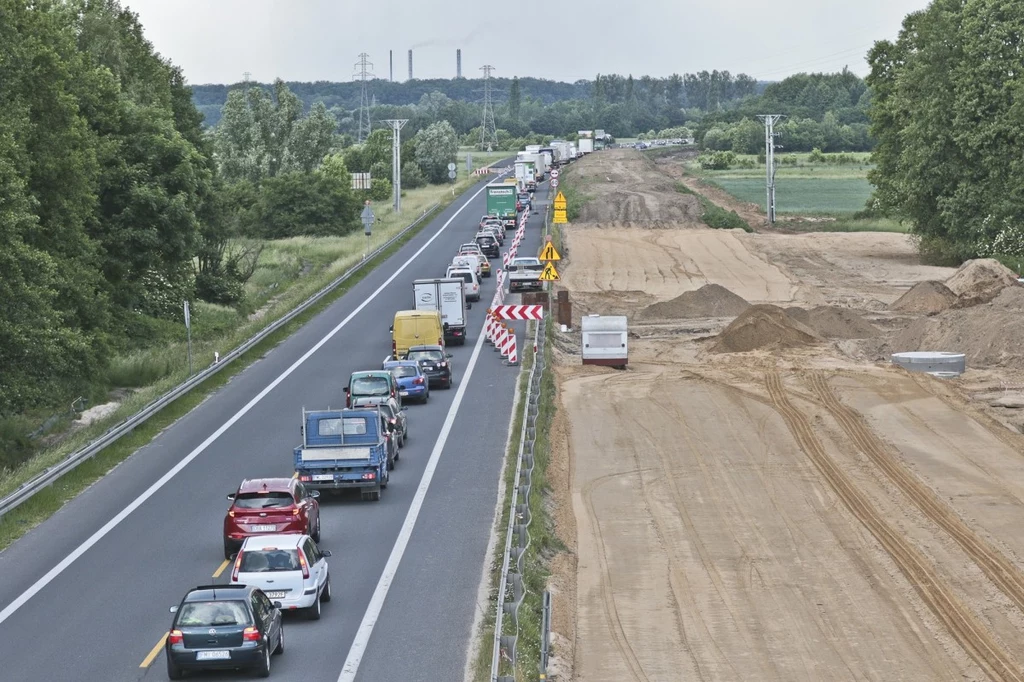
802	195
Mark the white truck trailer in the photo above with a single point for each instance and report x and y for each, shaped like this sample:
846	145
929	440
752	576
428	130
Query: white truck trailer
605	340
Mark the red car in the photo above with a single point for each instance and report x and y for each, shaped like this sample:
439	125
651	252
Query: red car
270	505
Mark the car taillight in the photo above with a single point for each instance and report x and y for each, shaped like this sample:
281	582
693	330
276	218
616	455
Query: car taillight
440	341
418	381
238	564
392	421
305	568
394	348
231	514
175	637
250	634
306	478
295	512
369	476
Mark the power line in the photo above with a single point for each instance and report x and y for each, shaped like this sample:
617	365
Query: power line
363	75
769	148
488	131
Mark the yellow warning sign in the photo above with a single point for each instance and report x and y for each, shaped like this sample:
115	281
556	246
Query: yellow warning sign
560	202
549	274
549	253
560	217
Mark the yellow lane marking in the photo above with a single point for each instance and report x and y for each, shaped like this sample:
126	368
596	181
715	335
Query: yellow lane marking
148	661
220	569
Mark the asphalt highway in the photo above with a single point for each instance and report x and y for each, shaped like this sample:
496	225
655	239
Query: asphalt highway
85	595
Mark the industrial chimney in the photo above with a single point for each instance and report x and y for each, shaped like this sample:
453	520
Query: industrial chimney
391	65
458	63
410	64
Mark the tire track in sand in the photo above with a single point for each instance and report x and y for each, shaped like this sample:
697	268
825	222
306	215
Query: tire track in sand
607	596
999	569
958	619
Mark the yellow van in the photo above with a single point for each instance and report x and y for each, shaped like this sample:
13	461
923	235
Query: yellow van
416	328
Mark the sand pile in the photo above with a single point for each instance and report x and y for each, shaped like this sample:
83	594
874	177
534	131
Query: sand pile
980	280
989	335
929	297
833	322
711	300
764	327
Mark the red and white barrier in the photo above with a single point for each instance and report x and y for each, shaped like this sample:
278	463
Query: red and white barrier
508	346
513	352
518	312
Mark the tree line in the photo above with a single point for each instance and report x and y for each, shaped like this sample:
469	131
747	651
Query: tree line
116	205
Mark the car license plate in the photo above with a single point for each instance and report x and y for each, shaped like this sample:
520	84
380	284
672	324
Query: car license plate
276	595
213	655
323	477
403	393
428	367
264	528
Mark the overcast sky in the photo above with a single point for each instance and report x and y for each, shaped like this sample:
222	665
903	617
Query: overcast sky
216	41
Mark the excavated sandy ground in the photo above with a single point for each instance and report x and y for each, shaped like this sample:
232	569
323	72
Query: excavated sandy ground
789	515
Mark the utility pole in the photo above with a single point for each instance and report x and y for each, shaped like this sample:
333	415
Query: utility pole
488	133
396	158
769	162
363	74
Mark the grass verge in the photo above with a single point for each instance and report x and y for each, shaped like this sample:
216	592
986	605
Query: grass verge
714	215
43	504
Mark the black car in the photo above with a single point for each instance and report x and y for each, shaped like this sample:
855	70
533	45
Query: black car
488	244
218	627
434	362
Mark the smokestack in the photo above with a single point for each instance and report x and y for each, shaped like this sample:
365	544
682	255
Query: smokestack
391	65
410	64
458	63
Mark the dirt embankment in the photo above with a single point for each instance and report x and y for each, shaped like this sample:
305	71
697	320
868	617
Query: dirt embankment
628	191
751	500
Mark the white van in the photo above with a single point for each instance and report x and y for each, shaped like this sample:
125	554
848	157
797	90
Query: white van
468	275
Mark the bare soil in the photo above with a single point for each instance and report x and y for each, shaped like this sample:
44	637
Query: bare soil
787	509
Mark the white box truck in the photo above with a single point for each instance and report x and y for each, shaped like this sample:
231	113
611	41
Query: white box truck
586	145
525	175
448	296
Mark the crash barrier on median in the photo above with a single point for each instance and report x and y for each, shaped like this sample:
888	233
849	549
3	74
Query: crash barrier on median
512	586
48	476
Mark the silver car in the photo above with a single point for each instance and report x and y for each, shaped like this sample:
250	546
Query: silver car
290	569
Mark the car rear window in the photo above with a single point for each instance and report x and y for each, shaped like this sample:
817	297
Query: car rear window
204	614
466	277
263	500
370	386
434	355
402	372
269	561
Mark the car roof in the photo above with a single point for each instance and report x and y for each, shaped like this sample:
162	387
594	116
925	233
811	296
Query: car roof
402	363
259	485
219	593
370	373
255	543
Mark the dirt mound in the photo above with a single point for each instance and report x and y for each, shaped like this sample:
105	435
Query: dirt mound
764	327
989	335
928	297
833	322
711	300
980	280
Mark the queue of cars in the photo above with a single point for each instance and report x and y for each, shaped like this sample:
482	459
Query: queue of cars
272	529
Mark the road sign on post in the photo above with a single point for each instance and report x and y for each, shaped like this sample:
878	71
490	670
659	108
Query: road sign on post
560	217
560	203
549	274
554	183
188	332
368	220
548	253
554	173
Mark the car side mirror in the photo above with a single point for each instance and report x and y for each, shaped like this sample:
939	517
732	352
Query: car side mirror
174	609
469	306
448	355
326	553
346	390
391	329
231	497
314	494
277	605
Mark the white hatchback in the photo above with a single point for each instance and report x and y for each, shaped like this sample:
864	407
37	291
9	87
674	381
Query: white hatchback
290	569
468	276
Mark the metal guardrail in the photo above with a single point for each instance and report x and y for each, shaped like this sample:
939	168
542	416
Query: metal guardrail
48	476
512	588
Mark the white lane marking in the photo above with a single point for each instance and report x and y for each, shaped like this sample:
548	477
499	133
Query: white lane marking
138	501
362	638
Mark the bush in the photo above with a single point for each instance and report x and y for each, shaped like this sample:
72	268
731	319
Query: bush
381	189
716	160
718	218
412	176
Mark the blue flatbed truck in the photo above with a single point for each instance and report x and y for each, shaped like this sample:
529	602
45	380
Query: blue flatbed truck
343	449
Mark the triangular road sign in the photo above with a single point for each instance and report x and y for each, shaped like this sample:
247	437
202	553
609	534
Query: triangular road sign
549	274
549	253
560	198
